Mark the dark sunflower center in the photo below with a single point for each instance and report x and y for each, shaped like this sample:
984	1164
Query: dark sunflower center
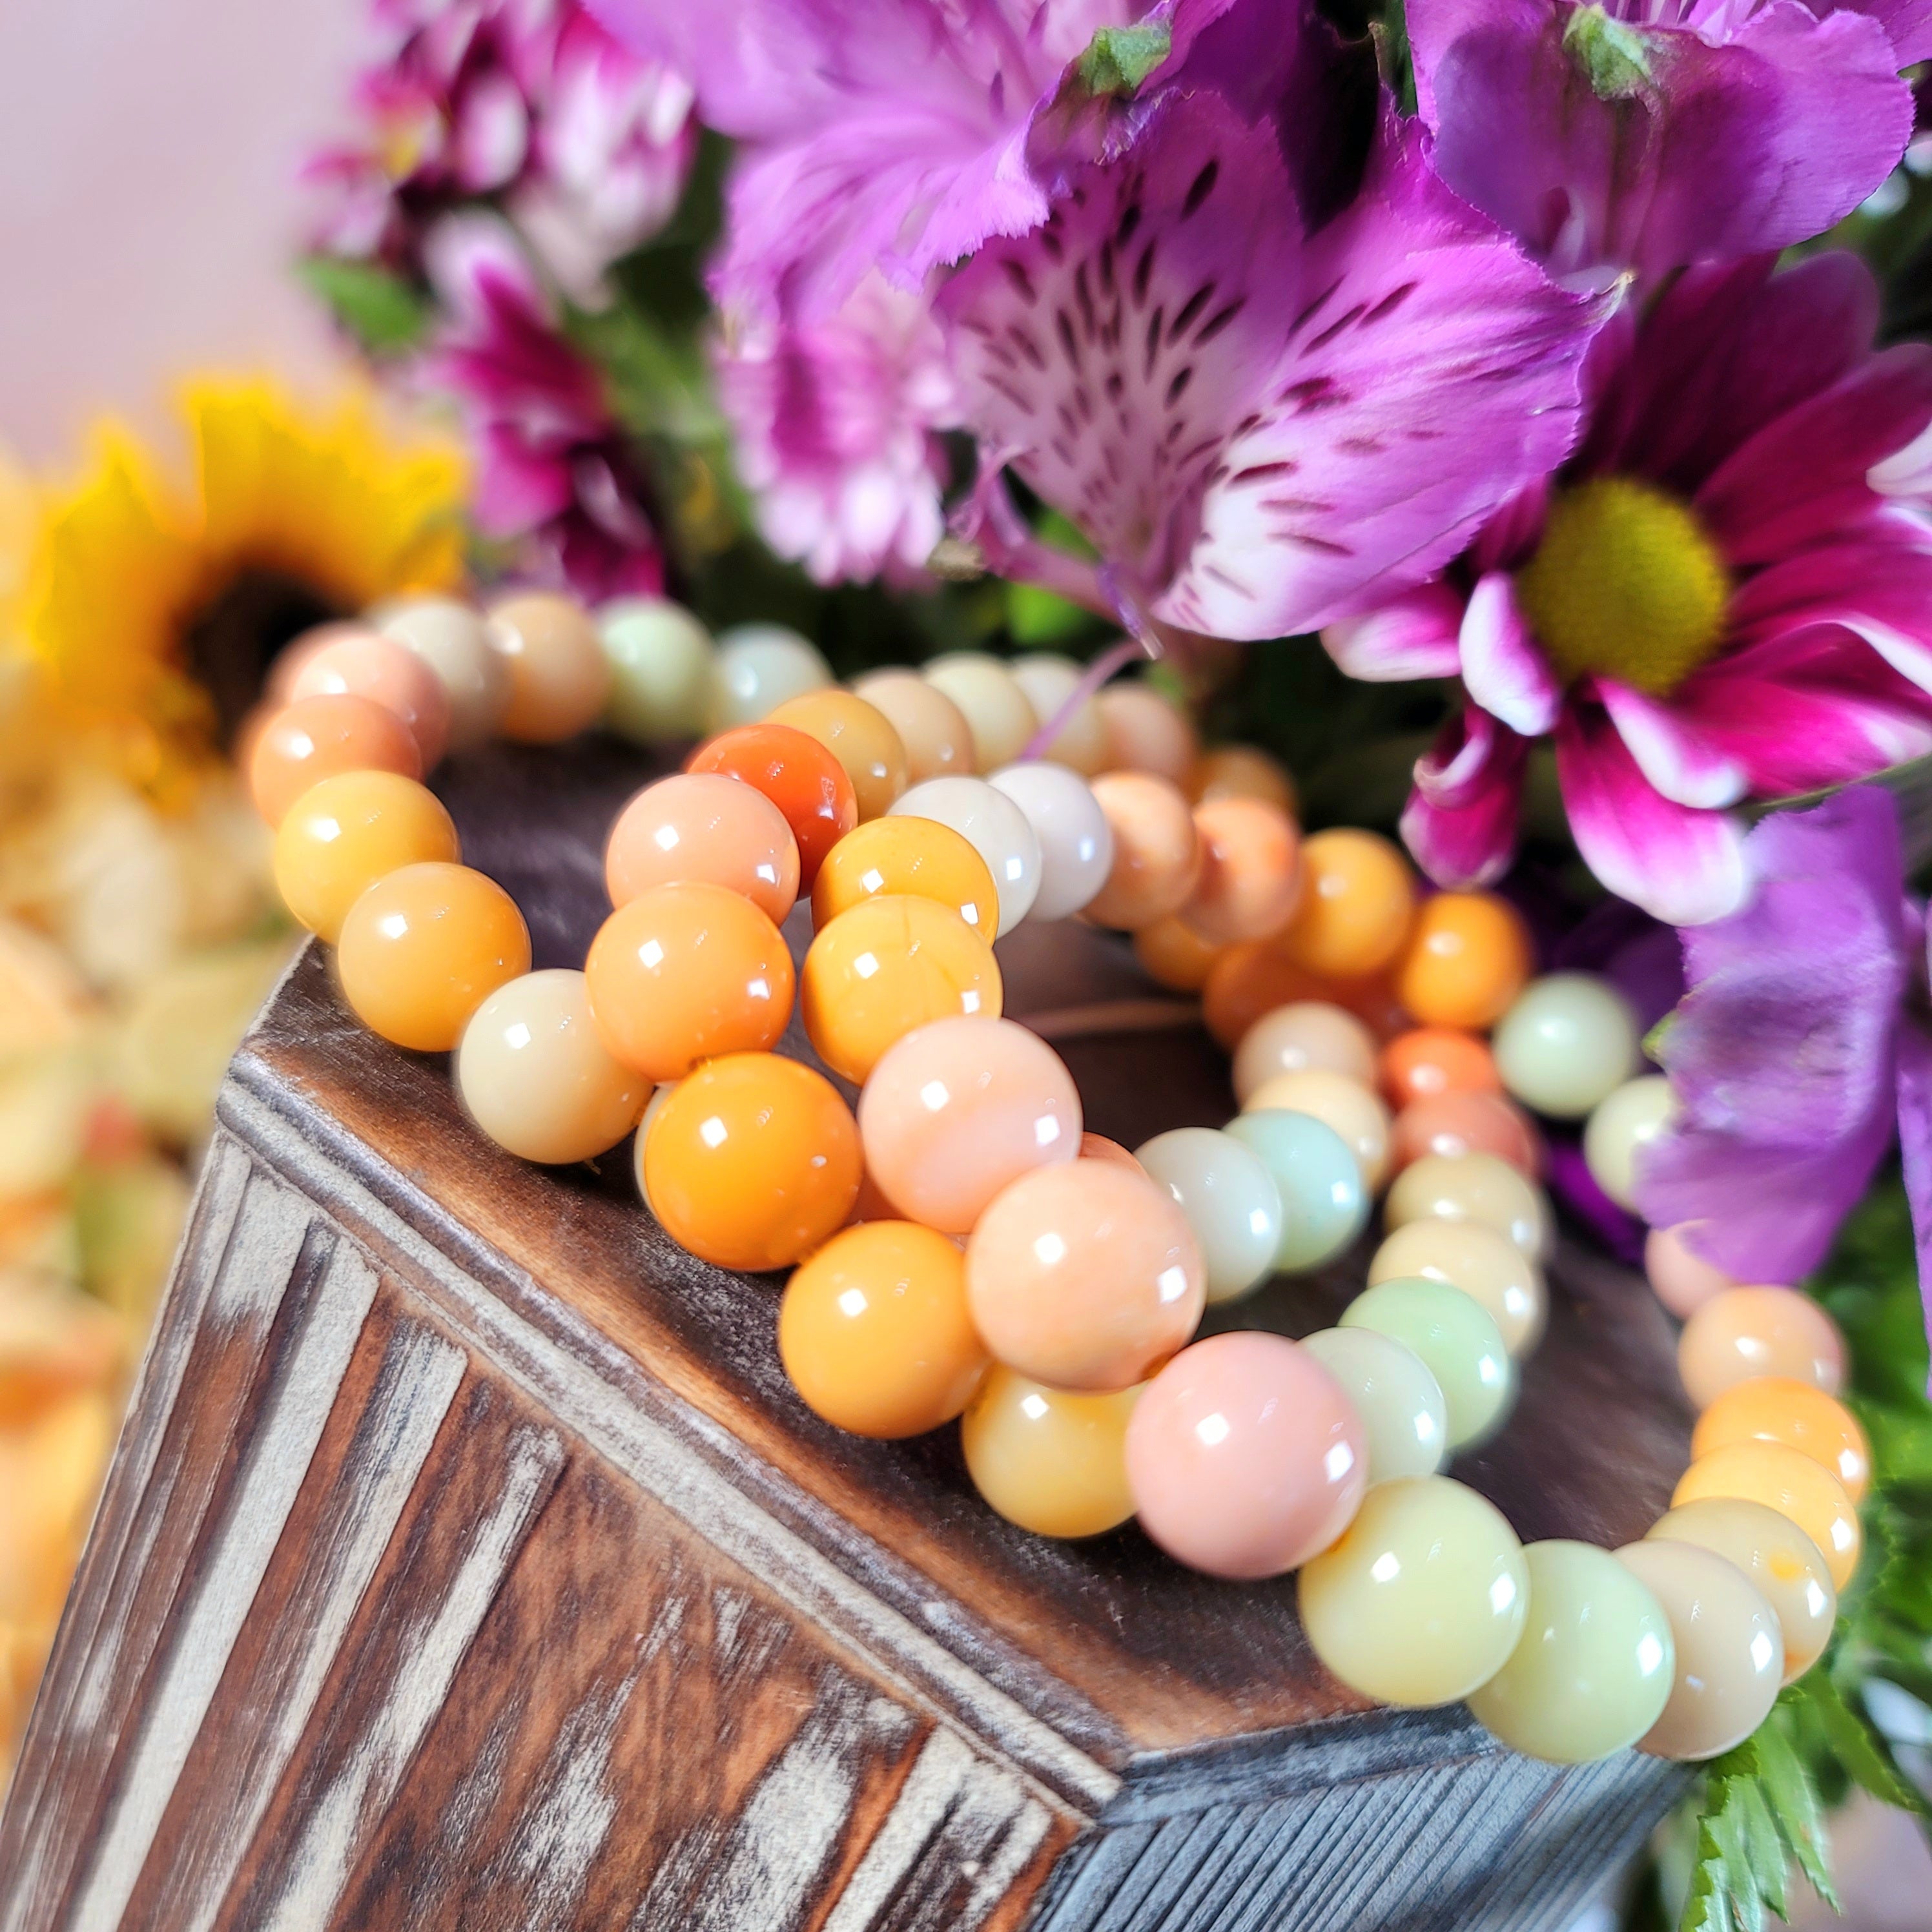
230	642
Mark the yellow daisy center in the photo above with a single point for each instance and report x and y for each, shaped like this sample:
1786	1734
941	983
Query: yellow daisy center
1625	583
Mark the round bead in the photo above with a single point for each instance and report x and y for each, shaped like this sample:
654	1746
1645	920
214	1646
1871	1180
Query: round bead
1570	1041
1748	1332
997	712
1230	1200
1488	1267
1347	1106
1250	980
938	741
958	1110
1472	1187
1468	957
660	658
424	947
1453	1124
799	775
1147	732
1777	1557
1789	1482
1776	1408
860	737
756	668
278	686
1458	1341
534	1075
995	827
1156	852
1405	1420
345	833
1357	900
454	642
683	973
366	663
1250	878
1076	845
1240	771
703	826
1084	1276
874	1332
915	856
1097	1146
315	738
887	966
1324	1205
1049	682
1427	1061
1053	1462
1594	1668
560	677
1424	1598
1730	1652
653	1107
1173	955
1683	1279
1303	1035
1621	1126
752	1162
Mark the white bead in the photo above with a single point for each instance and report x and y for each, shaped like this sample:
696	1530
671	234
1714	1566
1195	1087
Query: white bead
998	713
1048	681
1400	1402
660	669
1230	1200
454	641
757	667
1570	1039
995	827
1620	1127
1076	843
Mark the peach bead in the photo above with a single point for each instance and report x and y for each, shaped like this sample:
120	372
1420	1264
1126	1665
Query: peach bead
752	1162
1084	1275
1357	902
869	750
1786	1480
1147	732
900	855
424	947
959	1110
683	973
1348	1106
1240	771
278	686
1746	1332
1174	955
1097	1146
1244	1457
938	741
314	738
1303	1034
799	776
560	677
702	826
1459	1123
342	835
1255	977
1469	955
1426	1061
365	664
1683	1279
1156	851
887	966
1777	1408
1250	878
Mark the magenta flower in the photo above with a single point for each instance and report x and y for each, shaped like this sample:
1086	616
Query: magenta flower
1650	133
1726	594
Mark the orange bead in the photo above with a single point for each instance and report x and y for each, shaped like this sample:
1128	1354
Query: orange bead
684	973
1428	1060
1156	851
702	826
915	856
1241	771
424	947
887	966
798	775
1778	1409
1748	1332
871	753
365	664
560	676
1801	1490
314	738
1175	955
1469	955
1357	900
1453	1123
1249	879
342	835
752	1162
873	1331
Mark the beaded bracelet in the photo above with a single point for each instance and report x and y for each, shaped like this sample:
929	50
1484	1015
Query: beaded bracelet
960	1248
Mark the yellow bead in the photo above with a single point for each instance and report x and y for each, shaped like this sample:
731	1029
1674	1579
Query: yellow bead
1357	899
1789	1481
1050	1460
918	856
860	737
1779	1408
345	833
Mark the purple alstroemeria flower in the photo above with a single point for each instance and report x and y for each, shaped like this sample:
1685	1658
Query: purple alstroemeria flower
1648	134
1725	594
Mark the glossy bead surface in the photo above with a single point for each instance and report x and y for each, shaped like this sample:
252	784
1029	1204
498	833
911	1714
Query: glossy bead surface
1789	1482
1049	681
1250	874
1302	1035
1240	771
1323	1204
1427	1061
1147	732
1467	958
1050	1460
1486	1266
1174	955
915	856
1748	1332
1777	1408
1454	1124
532	1073
1458	1341
1424	1596
1357	901
1621	1126
958	1110
703	826
1230	1200
1569	1041
1683	1279
756	668
660	658
366	664
1472	1187
1084	1276
752	1162
343	834
278	684
315	738
860	737
454	641
1405	1420
799	775
1594	1668
995	827
874	1332
560	677
683	973
938	741
1156	852
424	947
1097	1146
997	712
1348	1106
1076	843
889	965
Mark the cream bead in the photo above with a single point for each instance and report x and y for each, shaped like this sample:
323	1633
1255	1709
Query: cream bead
454	642
1488	1267
1352	1109
1404	1416
1304	1034
756	667
937	739
997	712
995	827
1458	1343
1230	1200
1745	1332
1076	843
1621	1126
1569	1040
1048	681
660	669
1481	1187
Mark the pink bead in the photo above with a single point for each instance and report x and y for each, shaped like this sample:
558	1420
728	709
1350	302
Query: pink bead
1455	1124
1085	1277
365	664
1244	1457
278	687
957	1109
1684	1280
703	825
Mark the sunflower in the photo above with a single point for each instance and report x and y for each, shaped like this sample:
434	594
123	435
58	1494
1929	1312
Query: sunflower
154	611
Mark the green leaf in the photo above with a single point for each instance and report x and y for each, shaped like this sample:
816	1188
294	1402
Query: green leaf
1792	1799
1612	55
1037	616
1854	1744
381	311
1118	59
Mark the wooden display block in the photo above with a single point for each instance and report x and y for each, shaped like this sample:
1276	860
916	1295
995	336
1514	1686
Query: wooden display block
467	1563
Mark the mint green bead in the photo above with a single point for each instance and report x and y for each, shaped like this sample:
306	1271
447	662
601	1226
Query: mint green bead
1323	1204
1457	1338
660	658
1229	1199
1595	1665
1403	1414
